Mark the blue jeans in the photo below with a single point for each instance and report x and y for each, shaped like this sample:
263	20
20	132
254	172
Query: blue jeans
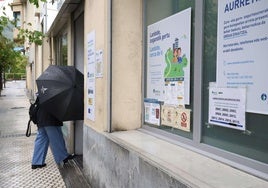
49	136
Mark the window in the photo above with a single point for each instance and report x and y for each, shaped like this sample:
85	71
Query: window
158	11
17	17
62	50
251	143
248	147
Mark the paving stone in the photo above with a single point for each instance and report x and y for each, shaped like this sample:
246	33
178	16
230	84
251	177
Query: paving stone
16	149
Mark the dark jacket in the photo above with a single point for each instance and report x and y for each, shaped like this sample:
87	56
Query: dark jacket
44	118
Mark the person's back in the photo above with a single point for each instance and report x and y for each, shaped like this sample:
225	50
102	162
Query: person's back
44	118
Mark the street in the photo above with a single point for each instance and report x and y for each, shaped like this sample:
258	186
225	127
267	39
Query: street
16	149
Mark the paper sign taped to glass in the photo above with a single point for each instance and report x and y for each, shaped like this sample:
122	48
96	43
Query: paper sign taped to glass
176	117
152	111
227	107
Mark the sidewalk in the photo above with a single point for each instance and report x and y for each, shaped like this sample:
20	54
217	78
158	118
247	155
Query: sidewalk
16	149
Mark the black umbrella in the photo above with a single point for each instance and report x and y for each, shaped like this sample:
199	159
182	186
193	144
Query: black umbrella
61	92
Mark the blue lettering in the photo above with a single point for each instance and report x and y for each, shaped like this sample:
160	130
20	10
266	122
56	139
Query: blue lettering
236	4
155	33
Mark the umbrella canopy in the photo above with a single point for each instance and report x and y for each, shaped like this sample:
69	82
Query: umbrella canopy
61	92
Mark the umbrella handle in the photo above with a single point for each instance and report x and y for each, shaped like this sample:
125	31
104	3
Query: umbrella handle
28	131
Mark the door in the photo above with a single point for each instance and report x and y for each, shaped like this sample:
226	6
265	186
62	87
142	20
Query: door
79	64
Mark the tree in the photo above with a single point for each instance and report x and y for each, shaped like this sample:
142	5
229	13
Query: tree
36	2
33	36
9	57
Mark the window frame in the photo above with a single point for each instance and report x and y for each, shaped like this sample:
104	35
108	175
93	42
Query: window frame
248	165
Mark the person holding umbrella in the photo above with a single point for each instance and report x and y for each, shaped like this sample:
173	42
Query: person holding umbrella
49	134
61	98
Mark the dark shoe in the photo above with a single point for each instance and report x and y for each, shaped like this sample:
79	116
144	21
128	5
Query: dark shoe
70	157
38	166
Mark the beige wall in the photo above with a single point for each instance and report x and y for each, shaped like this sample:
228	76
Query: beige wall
126	62
46	56
96	20
34	51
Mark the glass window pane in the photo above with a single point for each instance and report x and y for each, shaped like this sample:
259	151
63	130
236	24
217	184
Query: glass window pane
62	50
17	18
156	10
251	143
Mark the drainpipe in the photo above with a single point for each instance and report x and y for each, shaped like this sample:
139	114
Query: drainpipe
109	66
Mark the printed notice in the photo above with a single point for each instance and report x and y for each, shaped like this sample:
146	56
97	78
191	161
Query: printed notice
184	119
91	75
242	50
99	63
227	107
168	59
152	112
176	117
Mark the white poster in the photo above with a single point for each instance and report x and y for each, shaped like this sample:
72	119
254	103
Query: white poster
168	59
242	50
99	64
227	107
91	76
152	112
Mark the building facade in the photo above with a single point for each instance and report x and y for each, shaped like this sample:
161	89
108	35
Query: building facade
151	71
